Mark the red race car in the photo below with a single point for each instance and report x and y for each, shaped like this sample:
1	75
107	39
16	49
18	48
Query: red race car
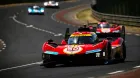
83	46
104	28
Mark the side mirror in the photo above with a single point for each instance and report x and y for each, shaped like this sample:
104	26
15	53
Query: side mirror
50	40
63	42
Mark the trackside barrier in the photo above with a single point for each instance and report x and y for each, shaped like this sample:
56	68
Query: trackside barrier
120	19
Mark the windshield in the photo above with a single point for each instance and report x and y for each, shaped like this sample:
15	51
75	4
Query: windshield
82	40
103	26
36	7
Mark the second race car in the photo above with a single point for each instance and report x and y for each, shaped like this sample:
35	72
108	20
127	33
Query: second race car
36	10
51	4
104	28
83	46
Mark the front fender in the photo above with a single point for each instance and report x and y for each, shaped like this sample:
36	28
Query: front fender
47	46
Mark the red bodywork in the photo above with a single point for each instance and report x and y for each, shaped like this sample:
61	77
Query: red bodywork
64	48
108	30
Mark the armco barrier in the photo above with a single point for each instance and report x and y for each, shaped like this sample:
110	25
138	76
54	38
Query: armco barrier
120	19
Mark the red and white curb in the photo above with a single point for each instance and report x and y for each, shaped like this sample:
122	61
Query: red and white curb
3	45
53	16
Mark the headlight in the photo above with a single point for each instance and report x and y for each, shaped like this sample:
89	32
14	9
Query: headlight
45	3
56	4
42	10
93	51
116	31
51	52
29	10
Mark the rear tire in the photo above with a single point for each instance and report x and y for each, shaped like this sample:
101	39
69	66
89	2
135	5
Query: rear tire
123	57
123	32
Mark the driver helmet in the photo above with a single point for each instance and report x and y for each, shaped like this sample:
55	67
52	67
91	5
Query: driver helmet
50	41
35	6
103	23
84	25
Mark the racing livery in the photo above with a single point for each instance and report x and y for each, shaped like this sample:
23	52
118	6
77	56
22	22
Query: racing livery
83	46
36	10
104	28
51	4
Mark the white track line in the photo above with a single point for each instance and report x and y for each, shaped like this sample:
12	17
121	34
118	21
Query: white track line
31	26
137	34
137	66
20	66
116	72
128	33
14	18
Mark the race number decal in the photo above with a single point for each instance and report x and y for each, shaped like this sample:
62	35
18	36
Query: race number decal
105	30
72	49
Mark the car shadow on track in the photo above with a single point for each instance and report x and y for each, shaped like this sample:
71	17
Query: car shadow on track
86	65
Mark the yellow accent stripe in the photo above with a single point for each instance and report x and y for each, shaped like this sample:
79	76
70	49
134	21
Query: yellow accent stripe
73	35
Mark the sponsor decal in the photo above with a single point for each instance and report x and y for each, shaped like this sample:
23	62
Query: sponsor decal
105	30
73	35
72	49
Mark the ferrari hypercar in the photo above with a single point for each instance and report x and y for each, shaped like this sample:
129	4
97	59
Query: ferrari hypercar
36	10
83	46
103	28
51	4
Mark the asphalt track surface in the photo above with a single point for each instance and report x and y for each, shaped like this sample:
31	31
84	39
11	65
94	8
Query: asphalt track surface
24	47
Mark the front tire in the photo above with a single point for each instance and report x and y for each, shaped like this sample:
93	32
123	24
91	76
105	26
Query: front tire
108	51
48	64
48	61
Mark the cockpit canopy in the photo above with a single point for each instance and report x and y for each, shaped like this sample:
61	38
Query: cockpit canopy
103	25
82	38
35	6
53	2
